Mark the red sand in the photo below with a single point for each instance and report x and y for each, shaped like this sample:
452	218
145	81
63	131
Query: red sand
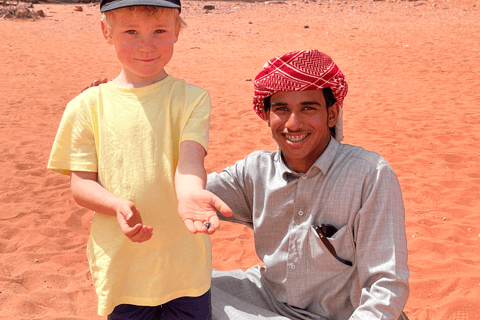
413	70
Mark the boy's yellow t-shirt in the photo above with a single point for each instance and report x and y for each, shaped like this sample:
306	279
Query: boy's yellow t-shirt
131	137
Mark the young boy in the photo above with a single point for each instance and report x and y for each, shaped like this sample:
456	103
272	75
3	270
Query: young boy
134	149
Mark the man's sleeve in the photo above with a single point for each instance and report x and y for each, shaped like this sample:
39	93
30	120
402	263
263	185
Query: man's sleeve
232	187
381	248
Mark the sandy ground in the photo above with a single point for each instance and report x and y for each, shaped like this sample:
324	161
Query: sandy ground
413	70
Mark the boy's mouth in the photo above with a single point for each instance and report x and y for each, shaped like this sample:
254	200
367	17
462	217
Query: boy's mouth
147	60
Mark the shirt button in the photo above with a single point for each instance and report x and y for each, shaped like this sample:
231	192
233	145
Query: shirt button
292	266
300	213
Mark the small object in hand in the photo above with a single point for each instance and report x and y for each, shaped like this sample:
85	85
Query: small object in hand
207	224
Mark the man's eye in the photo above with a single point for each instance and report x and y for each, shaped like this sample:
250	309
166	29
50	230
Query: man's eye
130	31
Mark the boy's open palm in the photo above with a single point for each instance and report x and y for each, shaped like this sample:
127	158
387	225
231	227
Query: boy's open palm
199	207
130	222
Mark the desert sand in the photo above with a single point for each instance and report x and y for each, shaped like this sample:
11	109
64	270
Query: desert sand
413	68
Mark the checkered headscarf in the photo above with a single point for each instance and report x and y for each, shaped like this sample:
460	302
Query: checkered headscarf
300	71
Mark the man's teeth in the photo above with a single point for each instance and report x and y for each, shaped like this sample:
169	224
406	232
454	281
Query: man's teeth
296	138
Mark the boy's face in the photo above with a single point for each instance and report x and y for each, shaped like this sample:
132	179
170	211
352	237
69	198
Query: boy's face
143	43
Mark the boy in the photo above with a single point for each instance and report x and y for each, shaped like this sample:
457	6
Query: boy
134	149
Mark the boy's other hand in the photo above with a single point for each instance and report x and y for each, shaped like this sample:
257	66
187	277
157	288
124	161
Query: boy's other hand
130	222
199	207
95	83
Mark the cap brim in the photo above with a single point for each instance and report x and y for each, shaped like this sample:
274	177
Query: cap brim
130	3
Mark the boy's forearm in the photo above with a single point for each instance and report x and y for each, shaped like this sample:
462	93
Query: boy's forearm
88	193
190	175
187	182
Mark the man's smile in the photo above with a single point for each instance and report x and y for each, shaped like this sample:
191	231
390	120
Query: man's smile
295	137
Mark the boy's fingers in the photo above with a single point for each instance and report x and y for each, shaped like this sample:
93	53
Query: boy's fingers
190	226
214	225
133	231
199	226
214	222
143	235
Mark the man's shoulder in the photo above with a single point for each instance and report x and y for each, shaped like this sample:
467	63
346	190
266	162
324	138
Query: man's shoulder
360	155
261	157
259	163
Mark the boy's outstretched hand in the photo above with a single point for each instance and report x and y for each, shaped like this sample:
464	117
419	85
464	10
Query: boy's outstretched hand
130	222
198	208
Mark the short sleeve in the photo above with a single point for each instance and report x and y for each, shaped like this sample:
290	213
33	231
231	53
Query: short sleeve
229	185
74	145
197	120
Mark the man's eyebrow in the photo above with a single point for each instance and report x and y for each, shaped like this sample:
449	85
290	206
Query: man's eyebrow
311	102
303	103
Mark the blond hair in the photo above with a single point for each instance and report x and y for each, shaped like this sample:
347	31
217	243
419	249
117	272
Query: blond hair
150	11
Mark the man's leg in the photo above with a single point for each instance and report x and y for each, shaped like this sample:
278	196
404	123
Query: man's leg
235	296
188	308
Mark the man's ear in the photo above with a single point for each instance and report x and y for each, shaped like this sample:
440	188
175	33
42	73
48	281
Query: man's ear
333	112
107	32
267	113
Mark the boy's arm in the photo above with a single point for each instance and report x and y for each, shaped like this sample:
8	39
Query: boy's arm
195	204
88	193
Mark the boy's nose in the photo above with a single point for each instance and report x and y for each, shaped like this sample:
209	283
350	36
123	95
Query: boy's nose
146	45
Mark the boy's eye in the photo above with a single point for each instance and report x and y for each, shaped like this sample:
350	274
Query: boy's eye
130	31
159	31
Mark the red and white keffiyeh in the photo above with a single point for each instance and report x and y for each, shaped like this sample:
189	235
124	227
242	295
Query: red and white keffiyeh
300	71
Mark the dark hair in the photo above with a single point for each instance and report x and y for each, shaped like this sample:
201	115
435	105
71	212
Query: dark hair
327	95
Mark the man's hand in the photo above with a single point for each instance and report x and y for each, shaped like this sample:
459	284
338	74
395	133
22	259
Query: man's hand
199	207
130	222
95	83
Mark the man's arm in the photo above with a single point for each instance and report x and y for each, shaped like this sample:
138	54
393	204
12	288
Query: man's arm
381	248
231	185
195	204
88	193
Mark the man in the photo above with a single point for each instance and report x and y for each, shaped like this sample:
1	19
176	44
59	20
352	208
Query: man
328	218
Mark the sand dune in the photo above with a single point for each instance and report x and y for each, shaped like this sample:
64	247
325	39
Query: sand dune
413	69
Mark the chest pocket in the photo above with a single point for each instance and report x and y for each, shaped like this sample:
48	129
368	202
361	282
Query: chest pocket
342	242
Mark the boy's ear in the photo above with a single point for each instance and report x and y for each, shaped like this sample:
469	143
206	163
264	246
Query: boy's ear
107	34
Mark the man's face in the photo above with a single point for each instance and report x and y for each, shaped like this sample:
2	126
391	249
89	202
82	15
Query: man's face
300	124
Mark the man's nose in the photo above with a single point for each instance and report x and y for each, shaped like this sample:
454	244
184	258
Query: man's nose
293	122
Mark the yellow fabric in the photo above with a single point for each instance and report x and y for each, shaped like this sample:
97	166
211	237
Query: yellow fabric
131	137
